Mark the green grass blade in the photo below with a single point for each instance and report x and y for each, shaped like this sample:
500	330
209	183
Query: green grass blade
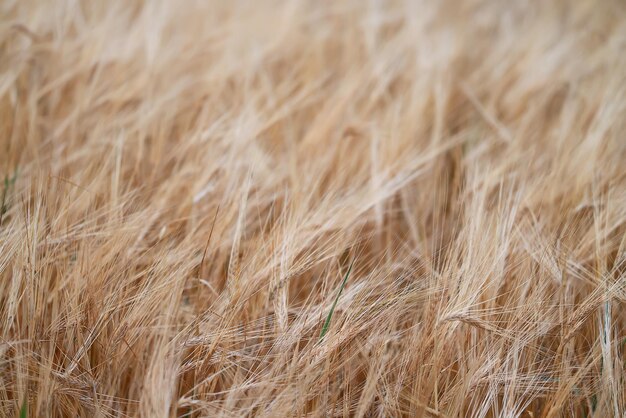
24	410
332	308
8	183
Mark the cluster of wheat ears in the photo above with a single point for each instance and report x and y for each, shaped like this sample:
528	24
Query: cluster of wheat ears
312	208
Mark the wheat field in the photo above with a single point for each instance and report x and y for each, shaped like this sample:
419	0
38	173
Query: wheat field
312	208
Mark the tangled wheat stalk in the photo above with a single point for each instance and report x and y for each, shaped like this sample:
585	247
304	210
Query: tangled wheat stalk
187	182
